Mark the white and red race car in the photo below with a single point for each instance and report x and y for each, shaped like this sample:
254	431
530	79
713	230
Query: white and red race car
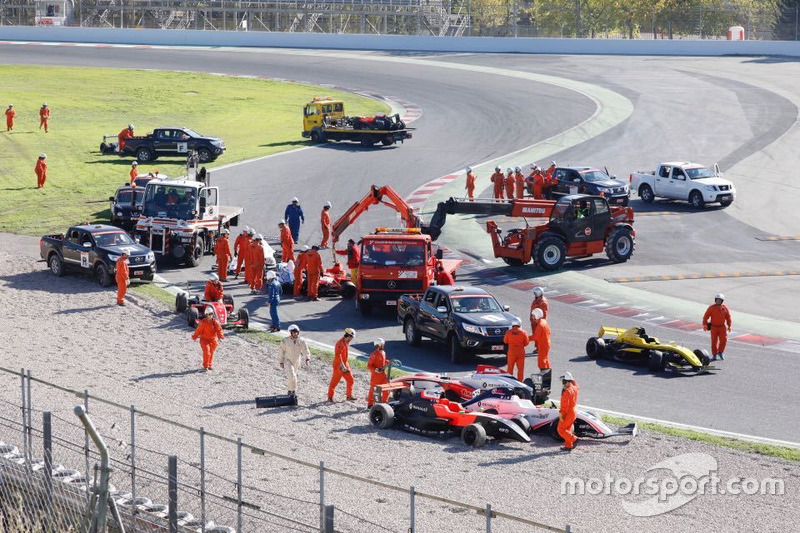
542	418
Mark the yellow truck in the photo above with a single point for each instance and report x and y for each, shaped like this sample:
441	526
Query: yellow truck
324	120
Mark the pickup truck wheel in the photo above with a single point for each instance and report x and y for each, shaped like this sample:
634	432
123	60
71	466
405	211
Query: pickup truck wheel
646	194
696	199
413	336
204	154
726	202
620	244
102	275
181	302
456	352
144	155
550	252
473	435
56	265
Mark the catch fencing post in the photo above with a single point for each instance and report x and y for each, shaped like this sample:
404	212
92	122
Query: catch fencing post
47	432
203	479
328	519
239	484
322	496
30	423
568	529
86	441
133	465
412	494
172	515
24	415
488	518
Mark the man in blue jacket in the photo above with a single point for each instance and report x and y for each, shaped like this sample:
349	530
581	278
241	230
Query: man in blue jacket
274	290
294	217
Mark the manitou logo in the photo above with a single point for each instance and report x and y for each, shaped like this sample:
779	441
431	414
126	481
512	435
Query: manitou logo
533	210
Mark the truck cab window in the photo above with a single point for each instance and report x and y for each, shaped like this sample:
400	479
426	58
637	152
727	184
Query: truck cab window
664	172
678	174
430	297
73	236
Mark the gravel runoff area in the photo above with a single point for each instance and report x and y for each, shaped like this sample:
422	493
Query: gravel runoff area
68	331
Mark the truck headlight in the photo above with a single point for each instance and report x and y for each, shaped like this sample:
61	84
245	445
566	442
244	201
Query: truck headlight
218	144
113	257
625	189
119	213
469	328
150	257
710	187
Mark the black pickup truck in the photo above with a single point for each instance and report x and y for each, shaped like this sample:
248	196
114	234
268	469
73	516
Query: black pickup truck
126	206
163	142
94	249
468	320
589	180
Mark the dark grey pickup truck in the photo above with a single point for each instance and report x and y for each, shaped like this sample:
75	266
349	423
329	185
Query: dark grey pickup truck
94	249
468	320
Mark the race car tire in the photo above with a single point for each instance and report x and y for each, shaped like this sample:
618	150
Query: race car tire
656	363
348	290
205	155
473	435
103	147
523	423
550	252
244	318
56	265
595	348
646	194
192	317
705	359
413	336
103	276
381	416
180	302
620	244
696	199
227	300
143	155
455	351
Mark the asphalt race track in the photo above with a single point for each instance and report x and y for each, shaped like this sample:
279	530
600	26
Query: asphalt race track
705	110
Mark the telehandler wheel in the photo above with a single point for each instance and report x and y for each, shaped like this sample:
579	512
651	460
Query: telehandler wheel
550	252
620	244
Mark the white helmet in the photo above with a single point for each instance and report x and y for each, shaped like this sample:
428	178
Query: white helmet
42	156
509	170
538	292
213	277
135	164
294	327
295	200
251	231
225	231
259	237
517	169
208	311
537	314
497	168
468	169
328	204
44	104
516	322
130	126
552	164
379	342
271	274
350	331
306	248
281	221
719	296
567	377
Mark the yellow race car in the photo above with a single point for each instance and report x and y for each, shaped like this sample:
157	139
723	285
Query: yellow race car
634	345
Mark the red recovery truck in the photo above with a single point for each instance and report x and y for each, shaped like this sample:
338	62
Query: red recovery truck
394	261
578	225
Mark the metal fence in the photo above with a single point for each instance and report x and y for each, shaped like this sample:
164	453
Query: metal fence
690	19
223	483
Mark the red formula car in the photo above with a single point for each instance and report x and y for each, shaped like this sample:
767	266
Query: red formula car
195	308
427	413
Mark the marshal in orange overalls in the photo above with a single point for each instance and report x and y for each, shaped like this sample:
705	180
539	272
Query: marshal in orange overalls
341	369
568	412
517	339
210	333
377	376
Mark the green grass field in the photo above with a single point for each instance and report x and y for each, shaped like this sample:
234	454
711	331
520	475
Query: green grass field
254	117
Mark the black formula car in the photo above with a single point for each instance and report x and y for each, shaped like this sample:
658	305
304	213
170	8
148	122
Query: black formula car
427	413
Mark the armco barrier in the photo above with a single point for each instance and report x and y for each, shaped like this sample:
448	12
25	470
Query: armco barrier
400	42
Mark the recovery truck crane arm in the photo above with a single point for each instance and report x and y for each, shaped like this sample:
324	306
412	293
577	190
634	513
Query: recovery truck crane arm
377	195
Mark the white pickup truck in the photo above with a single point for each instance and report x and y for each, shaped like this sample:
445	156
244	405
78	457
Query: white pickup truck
697	184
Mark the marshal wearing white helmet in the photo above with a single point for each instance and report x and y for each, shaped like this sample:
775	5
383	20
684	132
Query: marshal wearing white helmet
717	320
377	365
292	350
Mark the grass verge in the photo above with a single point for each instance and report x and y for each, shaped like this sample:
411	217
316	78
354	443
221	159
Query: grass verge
154	292
781	452
254	117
